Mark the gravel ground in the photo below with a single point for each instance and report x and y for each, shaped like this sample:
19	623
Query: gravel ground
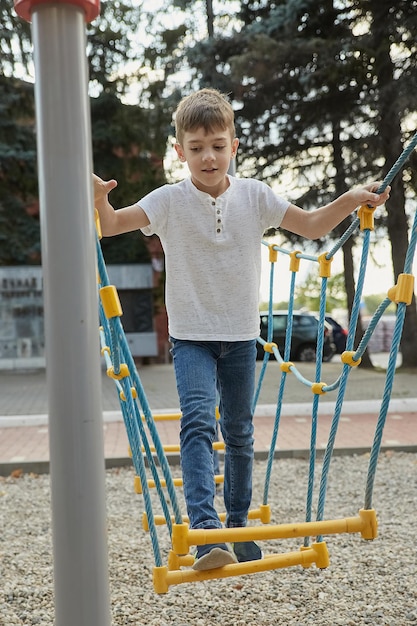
366	582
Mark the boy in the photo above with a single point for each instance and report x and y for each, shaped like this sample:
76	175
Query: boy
211	226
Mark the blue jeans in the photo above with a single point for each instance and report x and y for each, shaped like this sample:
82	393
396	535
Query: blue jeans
201	369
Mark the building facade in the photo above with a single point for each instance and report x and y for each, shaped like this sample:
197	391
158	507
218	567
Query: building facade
22	331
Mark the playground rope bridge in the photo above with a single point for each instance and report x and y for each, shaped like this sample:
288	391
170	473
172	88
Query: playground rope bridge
149	456
75	419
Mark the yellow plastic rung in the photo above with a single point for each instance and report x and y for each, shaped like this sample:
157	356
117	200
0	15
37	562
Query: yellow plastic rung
162	417
175	447
177	482
133	392
175	561
163	578
263	514
182	537
110	301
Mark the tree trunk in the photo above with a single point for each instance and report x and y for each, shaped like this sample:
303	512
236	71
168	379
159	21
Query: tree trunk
390	132
348	264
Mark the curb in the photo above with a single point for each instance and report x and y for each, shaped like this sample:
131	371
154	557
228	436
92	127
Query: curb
356	407
43	467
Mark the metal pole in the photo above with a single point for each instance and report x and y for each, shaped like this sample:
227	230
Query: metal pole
71	314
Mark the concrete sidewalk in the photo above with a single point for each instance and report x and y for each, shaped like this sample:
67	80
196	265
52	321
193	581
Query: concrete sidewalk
24	406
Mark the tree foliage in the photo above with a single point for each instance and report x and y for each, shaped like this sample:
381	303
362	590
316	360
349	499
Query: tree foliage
19	226
308	294
127	147
323	91
129	140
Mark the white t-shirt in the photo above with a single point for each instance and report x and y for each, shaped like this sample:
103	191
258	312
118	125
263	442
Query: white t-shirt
213	255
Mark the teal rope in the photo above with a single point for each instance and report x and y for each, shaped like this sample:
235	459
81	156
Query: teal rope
398	164
387	181
343	382
376	446
134	439
269	337
396	338
287	350
371	327
315	407
137	383
114	336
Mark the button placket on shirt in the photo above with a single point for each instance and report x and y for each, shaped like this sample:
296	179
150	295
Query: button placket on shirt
218	217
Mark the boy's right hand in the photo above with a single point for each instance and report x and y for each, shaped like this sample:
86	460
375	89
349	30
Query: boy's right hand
102	188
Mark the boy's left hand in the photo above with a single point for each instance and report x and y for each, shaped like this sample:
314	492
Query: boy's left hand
366	195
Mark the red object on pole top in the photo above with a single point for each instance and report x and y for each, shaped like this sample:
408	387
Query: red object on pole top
24	8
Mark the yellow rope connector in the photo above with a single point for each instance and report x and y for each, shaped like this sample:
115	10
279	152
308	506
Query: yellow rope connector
294	261
265	513
97	223
286	366
124	371
366	217
347	358
176	561
160	579
180	538
325	265
403	290
321	552
273	253
105	349
133	392
317	388
110	301
269	346
369	520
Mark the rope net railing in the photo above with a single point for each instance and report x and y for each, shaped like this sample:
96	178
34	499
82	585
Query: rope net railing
150	457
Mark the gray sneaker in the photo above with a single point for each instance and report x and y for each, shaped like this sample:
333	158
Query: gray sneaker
211	556
247	551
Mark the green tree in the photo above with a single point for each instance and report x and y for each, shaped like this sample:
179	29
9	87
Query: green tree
15	43
373	301
392	51
127	147
319	92
19	224
129	141
307	295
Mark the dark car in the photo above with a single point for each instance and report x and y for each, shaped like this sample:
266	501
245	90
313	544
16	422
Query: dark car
339	334
304	336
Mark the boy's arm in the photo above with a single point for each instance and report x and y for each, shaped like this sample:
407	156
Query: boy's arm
316	224
114	222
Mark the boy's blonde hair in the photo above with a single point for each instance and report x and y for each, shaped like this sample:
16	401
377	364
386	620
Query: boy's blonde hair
206	108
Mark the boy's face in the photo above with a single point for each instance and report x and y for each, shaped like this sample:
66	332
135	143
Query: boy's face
208	156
